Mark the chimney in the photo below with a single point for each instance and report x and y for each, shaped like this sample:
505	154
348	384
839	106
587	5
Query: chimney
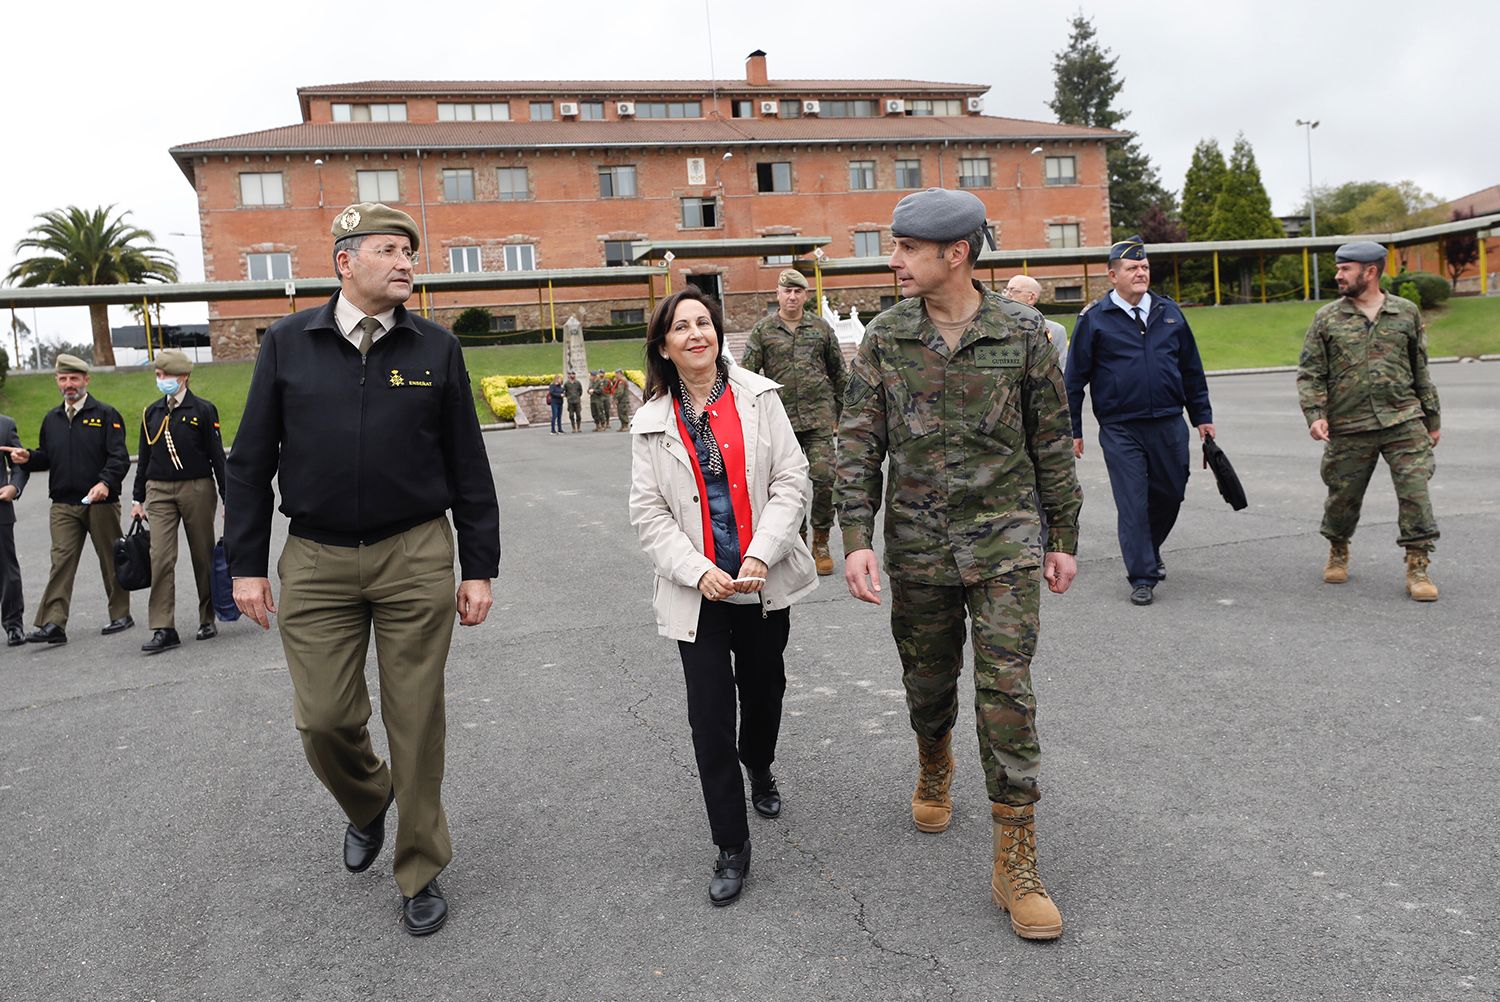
755	68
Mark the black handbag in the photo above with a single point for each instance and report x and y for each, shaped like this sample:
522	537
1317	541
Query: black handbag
1230	488
133	557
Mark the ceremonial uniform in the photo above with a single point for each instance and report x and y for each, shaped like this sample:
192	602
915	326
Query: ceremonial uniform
806	360
573	393
180	457
371	443
80	451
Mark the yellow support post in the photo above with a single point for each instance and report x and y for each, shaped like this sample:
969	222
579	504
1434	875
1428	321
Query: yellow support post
1484	275
1216	278
1306	277
1262	258
818	281
426	304
1391	261
552	310
651	293
1085	280
1023	267
146	314
668	273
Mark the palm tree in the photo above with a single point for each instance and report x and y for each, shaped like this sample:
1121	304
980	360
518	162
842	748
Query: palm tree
87	247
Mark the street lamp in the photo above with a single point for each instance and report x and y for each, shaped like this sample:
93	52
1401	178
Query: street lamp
319	164
1312	200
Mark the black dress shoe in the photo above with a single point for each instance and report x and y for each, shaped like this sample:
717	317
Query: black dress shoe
161	640
14	636
425	913
118	625
206	632
48	633
764	796
1141	595
362	845
730	871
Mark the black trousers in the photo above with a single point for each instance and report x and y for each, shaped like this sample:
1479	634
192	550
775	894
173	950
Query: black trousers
12	601
756	671
1148	475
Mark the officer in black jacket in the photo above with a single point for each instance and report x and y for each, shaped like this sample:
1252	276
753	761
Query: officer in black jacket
82	441
363	413
180	457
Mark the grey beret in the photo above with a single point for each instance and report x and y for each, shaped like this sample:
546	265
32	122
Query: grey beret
1360	251
939	214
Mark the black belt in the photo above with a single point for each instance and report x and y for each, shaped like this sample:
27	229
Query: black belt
331	537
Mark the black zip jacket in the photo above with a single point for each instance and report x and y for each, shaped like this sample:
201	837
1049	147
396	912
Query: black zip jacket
361	448
195	436
80	454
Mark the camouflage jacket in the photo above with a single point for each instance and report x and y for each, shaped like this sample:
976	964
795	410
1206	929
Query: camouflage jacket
621	388
573	390
1363	376
970	435
808	364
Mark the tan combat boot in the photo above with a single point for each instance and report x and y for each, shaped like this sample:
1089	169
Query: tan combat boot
1418	585
1337	569
1015	885
931	807
820	552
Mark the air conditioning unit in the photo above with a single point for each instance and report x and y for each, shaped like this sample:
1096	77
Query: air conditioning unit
770	107
568	109
895	106
625	109
811	107
976	104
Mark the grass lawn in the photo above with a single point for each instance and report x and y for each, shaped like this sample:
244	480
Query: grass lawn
1254	335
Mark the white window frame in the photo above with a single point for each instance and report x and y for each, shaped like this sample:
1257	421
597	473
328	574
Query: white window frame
902	170
865	236
615	173
457	176
274	267
502	174
861	172
1061	234
464	260
386	185
520	257
1054	174
969	180
253	187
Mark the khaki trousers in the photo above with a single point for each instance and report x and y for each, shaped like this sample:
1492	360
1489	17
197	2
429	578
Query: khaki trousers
69	524
193	503
330	597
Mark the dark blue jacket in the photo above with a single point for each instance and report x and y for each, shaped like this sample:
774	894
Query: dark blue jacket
1135	376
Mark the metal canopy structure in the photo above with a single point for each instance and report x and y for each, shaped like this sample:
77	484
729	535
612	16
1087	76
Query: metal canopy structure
656	250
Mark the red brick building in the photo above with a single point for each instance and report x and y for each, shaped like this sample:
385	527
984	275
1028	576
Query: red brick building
517	176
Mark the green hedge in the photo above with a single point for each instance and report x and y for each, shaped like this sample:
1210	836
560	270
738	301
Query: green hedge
612	332
1431	289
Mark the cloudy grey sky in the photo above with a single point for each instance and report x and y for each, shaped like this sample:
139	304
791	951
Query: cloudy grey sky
99	91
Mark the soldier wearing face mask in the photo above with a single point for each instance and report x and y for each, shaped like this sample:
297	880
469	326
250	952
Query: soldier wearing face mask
181	456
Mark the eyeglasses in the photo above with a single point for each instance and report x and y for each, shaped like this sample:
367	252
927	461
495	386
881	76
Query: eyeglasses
390	252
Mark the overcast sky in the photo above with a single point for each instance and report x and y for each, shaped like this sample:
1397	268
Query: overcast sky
99	92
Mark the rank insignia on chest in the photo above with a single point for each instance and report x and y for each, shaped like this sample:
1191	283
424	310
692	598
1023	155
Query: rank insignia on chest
411	377
1170	320
991	356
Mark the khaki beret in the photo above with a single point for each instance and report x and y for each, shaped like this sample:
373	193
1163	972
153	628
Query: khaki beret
364	218
69	363
1131	249
1360	252
938	214
173	362
792	276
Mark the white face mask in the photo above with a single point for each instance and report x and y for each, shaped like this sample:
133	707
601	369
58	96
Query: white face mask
169	386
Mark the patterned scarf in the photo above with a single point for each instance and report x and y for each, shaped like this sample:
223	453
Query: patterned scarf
698	423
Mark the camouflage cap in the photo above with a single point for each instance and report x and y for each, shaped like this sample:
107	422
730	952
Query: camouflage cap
70	363
1361	252
938	214
173	362
1131	249
792	277
364	218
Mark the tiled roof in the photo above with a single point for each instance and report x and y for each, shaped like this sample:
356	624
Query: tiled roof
609	88
387	136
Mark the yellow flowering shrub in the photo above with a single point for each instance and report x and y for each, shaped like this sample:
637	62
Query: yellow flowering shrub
496	390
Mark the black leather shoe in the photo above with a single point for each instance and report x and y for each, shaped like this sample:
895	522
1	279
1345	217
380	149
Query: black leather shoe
206	632
118	625
730	871
764	796
48	633
162	640
425	913
14	636
362	845
1141	595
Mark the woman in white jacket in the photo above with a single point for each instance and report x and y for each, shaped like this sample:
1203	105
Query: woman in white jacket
718	491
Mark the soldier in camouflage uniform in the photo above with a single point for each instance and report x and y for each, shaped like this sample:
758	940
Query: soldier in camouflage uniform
799	351
961	391
599	399
573	394
1364	389
622	398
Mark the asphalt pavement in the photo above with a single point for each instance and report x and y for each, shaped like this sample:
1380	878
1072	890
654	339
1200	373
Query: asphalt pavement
1260	787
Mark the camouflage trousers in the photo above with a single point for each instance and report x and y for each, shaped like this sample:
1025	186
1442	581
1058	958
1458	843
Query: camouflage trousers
599	408
818	446
1350	460
928	624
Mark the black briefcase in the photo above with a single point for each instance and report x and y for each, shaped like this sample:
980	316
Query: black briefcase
133	557
1230	488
